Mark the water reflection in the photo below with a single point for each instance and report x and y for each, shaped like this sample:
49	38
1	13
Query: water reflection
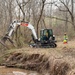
15	71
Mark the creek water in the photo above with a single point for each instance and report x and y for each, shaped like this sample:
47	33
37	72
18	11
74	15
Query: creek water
15	71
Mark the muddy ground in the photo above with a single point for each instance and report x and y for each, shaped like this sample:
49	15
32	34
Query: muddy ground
51	61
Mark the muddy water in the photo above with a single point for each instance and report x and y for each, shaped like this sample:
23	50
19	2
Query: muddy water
16	71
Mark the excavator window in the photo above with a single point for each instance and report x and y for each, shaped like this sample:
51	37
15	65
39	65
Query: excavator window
45	34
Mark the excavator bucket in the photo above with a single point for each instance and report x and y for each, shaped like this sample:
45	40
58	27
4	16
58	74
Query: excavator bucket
4	39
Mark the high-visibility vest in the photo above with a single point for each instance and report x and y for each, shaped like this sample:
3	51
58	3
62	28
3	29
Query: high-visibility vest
65	37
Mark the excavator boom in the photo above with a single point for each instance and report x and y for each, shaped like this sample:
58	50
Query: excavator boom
12	28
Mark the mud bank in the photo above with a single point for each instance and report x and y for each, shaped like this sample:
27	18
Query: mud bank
44	62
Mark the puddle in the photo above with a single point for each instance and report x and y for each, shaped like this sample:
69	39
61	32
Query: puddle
15	71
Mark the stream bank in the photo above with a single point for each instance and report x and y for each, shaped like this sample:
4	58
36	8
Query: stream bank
43	61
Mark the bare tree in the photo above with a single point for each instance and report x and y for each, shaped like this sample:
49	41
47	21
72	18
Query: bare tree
21	6
43	4
66	17
70	11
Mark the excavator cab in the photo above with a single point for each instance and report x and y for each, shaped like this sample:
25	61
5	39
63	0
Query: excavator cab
46	34
47	38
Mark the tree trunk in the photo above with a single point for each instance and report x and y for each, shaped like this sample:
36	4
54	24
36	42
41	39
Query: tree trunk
43	1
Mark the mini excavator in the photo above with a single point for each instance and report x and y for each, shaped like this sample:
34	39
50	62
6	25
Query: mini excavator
47	39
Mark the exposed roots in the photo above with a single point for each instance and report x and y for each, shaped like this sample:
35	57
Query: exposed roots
39	63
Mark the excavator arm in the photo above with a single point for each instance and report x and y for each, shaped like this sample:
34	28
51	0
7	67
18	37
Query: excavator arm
12	28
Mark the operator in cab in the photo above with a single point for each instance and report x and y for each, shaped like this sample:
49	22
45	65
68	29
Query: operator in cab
45	38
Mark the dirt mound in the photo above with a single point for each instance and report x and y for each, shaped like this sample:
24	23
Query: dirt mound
39	63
